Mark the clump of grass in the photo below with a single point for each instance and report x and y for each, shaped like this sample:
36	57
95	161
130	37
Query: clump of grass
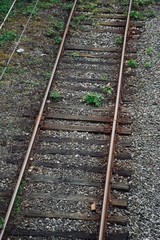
58	39
55	1
148	65
56	30
51	32
90	6
104	77
93	99
132	63
8	70
1	222
7	37
75	54
136	15
77	22
149	51
48	75
149	13
58	24
144	2
29	10
4	6
17	204
55	95
119	40
124	2
79	19
67	6
30	82
107	89
49	4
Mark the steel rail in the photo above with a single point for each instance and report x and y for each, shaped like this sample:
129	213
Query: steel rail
113	136
7	14
37	124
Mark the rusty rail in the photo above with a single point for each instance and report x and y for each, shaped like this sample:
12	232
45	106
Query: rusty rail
113	137
37	124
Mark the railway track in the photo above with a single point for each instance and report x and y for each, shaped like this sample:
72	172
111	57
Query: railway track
83	128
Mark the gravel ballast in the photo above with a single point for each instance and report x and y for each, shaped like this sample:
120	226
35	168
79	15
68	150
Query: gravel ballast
144	197
144	203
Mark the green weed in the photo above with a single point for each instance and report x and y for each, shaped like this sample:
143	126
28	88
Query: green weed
46	5
30	82
95	1
75	54
55	95
77	22
148	65
7	37
56	28
58	24
135	15
48	75
132	63
1	222
149	51
149	13
17	204
7	71
1	70
5	5
107	89
81	18
124	2
73	26
29	10
104	77
92	7
67	6
93	99
143	2
119	40
51	32
58	40
55	1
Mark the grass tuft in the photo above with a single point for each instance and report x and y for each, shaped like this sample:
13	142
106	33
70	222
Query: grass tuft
148	65
108	90
7	37
93	99
132	63
119	40
149	51
1	222
55	95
